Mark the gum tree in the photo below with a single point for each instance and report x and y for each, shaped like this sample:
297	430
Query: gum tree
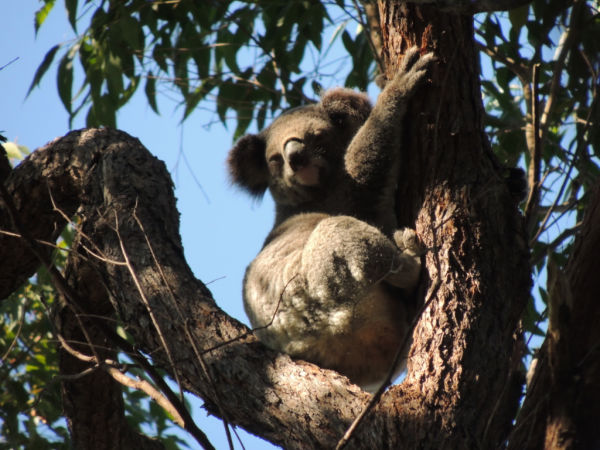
125	288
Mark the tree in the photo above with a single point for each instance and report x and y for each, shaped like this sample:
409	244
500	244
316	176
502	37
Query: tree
465	374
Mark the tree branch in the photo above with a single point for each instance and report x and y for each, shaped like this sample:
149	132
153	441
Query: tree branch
106	171
535	155
473	6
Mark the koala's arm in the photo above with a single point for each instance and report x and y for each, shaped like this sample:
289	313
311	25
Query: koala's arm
345	257
372	153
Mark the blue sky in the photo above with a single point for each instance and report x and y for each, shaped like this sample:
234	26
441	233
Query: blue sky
222	229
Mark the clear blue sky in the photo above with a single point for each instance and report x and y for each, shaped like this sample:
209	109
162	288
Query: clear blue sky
220	234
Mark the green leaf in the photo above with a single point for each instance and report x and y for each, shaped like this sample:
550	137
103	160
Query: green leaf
131	32
113	74
336	33
71	6
43	67
64	81
349	43
195	97
42	14
518	17
150	90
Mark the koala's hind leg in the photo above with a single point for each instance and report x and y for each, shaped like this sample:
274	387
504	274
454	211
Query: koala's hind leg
407	271
344	257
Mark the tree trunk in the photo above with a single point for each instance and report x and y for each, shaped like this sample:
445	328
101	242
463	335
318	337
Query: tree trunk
463	365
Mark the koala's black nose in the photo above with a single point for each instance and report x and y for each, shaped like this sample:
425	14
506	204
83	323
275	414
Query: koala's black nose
295	154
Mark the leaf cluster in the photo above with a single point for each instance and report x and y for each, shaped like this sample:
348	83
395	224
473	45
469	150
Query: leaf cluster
30	400
563	40
248	57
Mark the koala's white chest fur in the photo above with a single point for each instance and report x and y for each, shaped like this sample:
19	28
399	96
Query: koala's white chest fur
331	282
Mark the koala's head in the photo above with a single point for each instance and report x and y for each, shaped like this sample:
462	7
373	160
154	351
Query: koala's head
302	151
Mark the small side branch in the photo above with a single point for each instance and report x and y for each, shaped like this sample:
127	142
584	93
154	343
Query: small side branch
535	153
388	380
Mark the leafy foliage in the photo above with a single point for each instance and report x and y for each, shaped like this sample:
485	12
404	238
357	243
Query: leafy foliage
245	56
30	401
563	38
253	58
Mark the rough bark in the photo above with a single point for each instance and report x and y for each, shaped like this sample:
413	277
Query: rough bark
562	406
92	402
462	365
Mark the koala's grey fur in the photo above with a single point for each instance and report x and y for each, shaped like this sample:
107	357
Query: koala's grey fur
331	282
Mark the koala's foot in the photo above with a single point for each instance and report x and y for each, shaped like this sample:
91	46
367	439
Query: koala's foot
344	257
406	273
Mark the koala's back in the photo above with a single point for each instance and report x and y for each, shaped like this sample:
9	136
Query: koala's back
356	333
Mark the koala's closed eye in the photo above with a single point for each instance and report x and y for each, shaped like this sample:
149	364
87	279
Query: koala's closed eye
275	162
339	119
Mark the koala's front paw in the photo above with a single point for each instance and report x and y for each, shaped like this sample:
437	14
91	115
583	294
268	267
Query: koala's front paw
412	69
408	242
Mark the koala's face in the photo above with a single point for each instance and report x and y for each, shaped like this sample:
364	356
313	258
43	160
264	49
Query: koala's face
301	154
304	152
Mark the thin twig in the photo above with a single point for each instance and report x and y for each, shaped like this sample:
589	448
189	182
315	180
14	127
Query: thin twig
150	390
98	252
146	303
388	380
578	151
251	331
559	64
18	333
113	368
9	63
187	330
517	67
556	242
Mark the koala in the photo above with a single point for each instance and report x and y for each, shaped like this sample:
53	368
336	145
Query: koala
333	280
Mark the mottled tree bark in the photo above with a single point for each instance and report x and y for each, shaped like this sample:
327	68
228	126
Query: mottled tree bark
462	365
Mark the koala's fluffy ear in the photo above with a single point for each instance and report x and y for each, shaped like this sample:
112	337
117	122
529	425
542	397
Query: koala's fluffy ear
247	164
340	102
